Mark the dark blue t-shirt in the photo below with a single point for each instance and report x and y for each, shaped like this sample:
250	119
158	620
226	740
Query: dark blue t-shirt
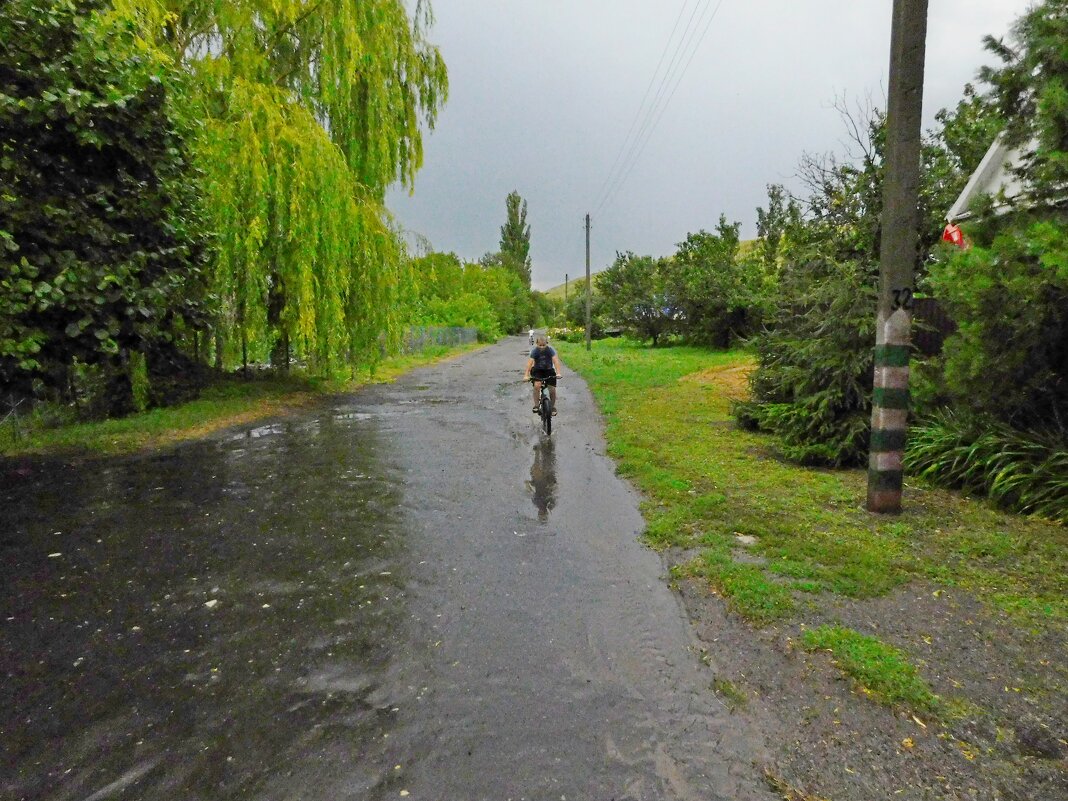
543	359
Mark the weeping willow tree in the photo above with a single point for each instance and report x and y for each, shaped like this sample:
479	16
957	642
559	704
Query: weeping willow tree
310	110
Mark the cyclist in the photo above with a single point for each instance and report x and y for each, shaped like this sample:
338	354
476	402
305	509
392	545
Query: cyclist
544	365
531	336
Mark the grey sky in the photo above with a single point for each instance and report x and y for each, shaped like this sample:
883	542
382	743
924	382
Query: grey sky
542	95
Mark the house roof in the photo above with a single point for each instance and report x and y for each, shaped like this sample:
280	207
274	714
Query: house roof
995	173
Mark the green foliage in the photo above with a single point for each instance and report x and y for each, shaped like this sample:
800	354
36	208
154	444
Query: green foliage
515	237
575	312
490	298
1031	90
1012	290
311	111
301	254
140	387
882	671
715	292
103	247
636	297
771	225
813	384
996	402
1021	471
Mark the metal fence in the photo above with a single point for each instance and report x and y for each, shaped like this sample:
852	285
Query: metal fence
420	337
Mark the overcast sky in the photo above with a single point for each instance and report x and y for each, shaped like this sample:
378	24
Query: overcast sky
544	92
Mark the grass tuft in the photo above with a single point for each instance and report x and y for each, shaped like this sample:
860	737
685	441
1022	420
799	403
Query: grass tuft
881	671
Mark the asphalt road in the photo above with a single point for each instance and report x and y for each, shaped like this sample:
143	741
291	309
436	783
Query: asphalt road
410	592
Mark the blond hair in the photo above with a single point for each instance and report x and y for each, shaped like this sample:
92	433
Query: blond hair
541	342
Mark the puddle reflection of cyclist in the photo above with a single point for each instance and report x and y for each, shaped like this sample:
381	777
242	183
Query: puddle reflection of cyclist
543	365
543	478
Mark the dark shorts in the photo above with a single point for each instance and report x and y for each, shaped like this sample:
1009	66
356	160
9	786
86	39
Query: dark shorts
548	376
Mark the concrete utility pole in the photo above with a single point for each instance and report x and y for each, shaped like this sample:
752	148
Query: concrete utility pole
565	289
893	321
588	282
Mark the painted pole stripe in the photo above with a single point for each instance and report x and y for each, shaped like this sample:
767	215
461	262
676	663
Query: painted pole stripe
884	500
885	480
894	329
892	355
884	440
891	377
890	398
883	462
889	418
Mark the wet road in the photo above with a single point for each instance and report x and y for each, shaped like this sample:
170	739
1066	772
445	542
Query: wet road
410	592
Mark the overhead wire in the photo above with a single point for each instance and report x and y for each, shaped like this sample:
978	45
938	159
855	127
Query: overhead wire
650	110
657	110
641	106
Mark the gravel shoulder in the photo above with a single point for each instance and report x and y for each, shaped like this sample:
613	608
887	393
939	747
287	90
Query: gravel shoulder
1006	741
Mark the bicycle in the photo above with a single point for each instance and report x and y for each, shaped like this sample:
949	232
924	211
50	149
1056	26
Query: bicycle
545	405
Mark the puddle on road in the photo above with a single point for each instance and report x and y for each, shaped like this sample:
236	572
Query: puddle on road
215	622
542	484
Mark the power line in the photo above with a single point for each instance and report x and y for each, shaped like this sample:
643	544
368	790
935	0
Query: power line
645	97
658	110
668	76
664	108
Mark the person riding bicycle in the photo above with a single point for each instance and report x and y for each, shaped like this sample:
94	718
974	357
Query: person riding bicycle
531	337
543	365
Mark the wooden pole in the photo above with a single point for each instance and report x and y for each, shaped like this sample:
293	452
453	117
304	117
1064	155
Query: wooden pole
897	257
588	290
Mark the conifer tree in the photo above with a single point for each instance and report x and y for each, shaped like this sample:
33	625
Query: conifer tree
515	237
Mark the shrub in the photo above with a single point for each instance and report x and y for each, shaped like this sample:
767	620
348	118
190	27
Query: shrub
1009	297
1022	471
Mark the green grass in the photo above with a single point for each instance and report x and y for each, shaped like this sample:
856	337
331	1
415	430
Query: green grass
706	481
882	672
231	401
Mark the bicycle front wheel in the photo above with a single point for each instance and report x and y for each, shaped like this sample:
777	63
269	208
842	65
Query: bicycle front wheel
547	415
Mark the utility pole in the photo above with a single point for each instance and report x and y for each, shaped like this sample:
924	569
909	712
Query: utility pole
565	289
587	282
897	256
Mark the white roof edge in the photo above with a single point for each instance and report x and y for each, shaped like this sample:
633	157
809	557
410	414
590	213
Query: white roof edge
993	175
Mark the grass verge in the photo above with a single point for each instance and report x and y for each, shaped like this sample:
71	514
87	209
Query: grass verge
881	672
771	536
229	402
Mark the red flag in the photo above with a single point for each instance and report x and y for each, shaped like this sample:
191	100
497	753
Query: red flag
953	234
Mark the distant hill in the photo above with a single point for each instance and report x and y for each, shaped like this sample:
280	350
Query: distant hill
574	285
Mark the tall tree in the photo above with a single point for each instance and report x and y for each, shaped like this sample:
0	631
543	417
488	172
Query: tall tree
311	111
515	237
709	285
635	296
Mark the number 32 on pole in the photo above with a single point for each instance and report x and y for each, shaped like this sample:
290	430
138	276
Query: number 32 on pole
902	299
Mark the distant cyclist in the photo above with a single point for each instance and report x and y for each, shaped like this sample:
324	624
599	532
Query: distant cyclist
543	365
531	337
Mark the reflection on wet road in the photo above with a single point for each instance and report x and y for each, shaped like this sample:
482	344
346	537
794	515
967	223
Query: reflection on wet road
210	623
543	478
